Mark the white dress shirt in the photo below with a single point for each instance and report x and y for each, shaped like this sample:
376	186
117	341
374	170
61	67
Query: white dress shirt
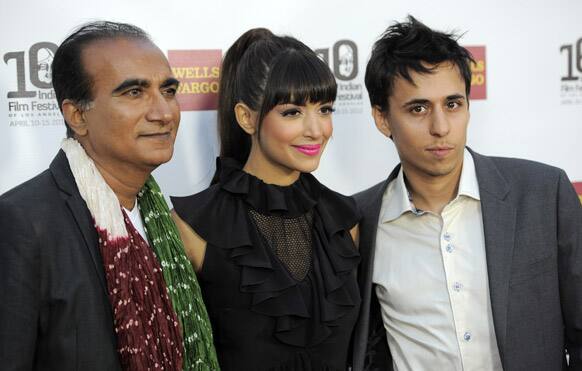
134	216
431	280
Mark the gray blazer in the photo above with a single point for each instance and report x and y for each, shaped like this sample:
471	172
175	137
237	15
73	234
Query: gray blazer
532	221
54	308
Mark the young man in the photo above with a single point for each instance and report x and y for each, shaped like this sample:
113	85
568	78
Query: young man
468	262
93	275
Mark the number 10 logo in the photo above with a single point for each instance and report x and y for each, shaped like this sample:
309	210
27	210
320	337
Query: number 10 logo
573	59
40	58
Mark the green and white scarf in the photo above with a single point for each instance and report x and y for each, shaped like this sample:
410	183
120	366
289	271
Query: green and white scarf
185	295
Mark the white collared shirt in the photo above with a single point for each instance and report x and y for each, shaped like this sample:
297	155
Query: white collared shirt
431	280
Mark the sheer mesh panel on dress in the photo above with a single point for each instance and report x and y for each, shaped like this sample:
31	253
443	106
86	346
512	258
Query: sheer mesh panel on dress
289	239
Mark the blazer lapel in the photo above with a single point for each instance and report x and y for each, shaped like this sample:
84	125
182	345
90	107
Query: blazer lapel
499	229
370	208
66	182
370	204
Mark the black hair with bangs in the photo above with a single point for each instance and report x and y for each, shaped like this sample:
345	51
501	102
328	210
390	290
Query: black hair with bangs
298	77
263	70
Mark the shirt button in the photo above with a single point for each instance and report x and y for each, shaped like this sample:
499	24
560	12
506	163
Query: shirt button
457	286
447	236
467	336
450	247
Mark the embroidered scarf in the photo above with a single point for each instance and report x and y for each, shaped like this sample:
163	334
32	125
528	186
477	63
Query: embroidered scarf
160	319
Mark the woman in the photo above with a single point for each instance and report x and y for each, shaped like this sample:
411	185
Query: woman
271	245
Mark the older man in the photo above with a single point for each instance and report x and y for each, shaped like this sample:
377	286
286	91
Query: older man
93	275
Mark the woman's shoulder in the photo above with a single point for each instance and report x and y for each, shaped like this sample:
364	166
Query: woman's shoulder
338	209
186	205
209	212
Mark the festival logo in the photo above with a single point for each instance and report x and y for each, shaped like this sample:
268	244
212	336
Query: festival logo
31	98
571	79
198	72
578	188
345	66
478	73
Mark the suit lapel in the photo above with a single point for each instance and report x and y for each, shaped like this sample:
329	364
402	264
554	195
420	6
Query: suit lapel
368	228
499	229
370	204
370	216
66	182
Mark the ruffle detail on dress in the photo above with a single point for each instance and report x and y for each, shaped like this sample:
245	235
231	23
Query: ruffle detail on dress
305	311
269	199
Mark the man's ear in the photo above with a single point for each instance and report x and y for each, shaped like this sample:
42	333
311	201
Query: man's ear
246	118
382	122
75	117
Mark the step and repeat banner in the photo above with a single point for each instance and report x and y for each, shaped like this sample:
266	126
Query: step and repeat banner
526	94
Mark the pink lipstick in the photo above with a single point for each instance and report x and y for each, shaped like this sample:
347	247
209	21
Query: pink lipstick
309	149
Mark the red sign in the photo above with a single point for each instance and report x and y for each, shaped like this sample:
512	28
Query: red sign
198	72
479	72
578	188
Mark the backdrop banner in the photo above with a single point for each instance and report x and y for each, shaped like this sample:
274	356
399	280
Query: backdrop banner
526	87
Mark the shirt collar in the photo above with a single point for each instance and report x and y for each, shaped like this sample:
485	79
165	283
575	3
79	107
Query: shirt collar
468	185
397	201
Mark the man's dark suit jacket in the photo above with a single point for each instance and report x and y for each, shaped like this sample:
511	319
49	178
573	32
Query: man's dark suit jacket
54	309
532	222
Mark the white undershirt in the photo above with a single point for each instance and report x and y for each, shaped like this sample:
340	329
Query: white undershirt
135	219
431	281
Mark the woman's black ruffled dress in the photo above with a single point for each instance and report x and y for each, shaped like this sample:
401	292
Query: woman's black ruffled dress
279	273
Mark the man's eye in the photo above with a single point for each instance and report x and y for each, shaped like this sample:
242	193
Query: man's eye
170	92
418	109
135	92
453	105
